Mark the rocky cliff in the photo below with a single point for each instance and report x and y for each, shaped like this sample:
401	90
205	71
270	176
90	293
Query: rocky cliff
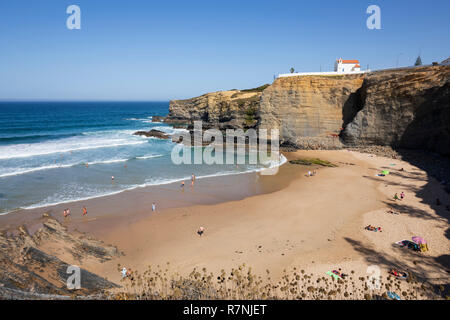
406	108
223	109
308	110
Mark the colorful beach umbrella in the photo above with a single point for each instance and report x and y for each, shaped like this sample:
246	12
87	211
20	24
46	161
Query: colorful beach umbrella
419	240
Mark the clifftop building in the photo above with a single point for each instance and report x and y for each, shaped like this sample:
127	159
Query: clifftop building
340	67
346	66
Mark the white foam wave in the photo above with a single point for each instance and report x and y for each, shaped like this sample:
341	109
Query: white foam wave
150	156
38	149
19	171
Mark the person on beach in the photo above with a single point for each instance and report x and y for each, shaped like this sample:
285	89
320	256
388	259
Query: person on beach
309	173
192	179
396	197
200	231
124	272
182	184
339	273
398	273
343	275
68	212
130	274
402	195
112	178
84	211
87	165
153	206
65	213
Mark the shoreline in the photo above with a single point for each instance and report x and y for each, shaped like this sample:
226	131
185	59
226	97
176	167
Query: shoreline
283	160
98	205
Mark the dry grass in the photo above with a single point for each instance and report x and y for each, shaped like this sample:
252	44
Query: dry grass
241	283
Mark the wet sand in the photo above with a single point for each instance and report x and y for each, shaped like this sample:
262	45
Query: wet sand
129	206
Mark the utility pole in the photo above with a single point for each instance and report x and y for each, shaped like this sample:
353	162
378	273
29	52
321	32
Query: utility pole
398	58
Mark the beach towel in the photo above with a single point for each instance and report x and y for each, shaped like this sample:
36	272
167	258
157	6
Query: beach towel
330	273
385	172
407	243
393	295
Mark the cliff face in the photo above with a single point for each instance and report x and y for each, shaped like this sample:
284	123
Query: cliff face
308	110
224	109
408	108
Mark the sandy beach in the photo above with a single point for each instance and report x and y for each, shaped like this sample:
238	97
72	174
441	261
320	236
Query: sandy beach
290	221
313	223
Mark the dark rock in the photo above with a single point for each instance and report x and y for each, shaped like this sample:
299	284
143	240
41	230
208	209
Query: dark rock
27	271
158	119
153	133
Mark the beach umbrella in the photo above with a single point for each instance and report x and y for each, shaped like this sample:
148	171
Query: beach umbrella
419	240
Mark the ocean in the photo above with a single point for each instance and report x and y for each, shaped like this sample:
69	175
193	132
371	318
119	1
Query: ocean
45	146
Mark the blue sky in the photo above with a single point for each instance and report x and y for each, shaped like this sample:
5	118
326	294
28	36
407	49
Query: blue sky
161	50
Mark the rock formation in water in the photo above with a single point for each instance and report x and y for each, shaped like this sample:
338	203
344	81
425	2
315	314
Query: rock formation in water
152	133
406	108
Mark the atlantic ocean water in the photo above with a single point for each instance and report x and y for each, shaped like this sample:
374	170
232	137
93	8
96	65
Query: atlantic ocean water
57	152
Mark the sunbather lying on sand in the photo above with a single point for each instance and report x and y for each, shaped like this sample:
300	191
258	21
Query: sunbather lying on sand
398	274
339	273
372	228
392	212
